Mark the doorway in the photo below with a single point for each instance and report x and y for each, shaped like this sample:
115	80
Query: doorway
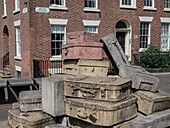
121	39
123	35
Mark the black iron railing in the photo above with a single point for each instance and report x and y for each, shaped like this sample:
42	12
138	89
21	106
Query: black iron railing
6	63
46	67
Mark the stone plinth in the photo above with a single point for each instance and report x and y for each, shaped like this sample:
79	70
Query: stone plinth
53	96
81	36
30	101
149	102
97	88
28	120
82	50
86	67
102	113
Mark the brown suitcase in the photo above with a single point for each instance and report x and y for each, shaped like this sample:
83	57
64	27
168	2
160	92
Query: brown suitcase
102	113
98	88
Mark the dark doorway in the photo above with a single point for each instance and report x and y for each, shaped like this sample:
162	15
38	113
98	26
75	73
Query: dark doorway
121	39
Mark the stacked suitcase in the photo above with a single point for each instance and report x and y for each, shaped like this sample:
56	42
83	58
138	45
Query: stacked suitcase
96	99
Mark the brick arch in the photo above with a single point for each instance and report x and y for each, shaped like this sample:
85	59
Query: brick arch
5	40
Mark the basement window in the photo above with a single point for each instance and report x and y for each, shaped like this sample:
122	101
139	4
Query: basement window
91	29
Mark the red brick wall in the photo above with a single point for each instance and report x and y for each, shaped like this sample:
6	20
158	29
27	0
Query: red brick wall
36	31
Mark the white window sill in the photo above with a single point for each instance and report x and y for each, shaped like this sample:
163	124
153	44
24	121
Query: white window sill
149	8
58	58
164	50
142	49
4	16
91	10
17	57
167	9
16	11
128	7
58	8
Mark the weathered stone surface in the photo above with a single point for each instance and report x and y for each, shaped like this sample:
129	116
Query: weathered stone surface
149	102
53	96
55	126
83	50
156	120
4	124
102	113
114	50
81	36
28	120
141	79
30	101
98	88
86	67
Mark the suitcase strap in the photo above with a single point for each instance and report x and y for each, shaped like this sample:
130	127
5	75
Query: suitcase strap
84	115
86	93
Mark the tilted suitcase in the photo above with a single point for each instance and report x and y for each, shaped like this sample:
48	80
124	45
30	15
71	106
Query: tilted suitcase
102	113
98	88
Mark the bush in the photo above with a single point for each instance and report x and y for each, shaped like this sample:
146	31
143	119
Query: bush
153	57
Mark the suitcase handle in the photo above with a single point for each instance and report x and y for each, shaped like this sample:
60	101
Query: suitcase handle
82	114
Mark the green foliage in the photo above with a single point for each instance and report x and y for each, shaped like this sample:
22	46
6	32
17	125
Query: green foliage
153	57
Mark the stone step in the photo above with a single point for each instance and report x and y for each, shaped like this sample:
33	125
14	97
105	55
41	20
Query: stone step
6	76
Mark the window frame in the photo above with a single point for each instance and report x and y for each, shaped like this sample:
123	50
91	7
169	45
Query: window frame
166	8
91	9
132	6
5	9
96	27
150	7
55	5
149	35
58	56
91	23
168	41
18	41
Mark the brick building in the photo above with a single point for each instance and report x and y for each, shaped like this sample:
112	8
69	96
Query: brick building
37	28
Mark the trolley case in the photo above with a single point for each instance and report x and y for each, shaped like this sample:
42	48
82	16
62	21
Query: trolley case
98	88
102	113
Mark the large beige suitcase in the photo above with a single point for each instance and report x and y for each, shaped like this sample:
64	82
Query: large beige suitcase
98	88
102	113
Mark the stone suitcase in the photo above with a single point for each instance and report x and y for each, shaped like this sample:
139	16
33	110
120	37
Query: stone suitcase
98	88
30	101
83	50
102	113
86	67
18	119
149	102
141	79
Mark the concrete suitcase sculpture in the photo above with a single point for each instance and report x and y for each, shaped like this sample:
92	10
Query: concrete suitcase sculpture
86	67
141	79
102	113
30	101
98	88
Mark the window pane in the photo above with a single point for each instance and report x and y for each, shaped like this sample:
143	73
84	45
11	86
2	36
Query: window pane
126	2
57	39
57	2
165	36
144	34
167	3
91	29
90	3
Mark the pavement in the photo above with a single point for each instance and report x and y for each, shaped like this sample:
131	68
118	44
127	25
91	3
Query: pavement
164	86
